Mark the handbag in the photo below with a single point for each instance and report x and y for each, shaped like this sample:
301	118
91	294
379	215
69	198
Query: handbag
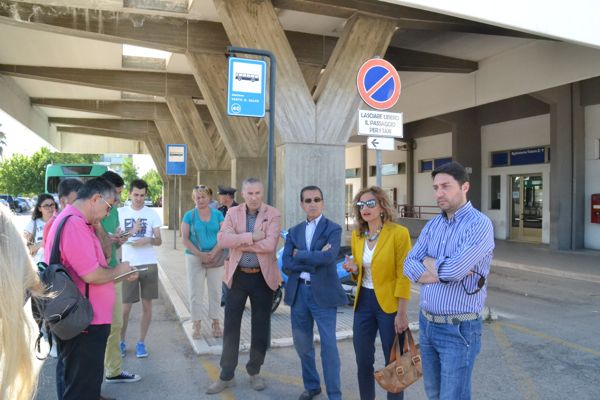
403	369
219	260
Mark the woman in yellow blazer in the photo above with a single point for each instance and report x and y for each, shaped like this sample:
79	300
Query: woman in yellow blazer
379	247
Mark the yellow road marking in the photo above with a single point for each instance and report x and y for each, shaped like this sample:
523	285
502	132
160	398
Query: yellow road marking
549	338
527	386
213	373
288	380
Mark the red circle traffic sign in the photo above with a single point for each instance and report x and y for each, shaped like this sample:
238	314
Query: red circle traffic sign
378	84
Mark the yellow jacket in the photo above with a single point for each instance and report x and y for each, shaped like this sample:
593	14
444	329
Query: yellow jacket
387	265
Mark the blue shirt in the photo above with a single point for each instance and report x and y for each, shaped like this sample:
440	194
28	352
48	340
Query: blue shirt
460	244
203	234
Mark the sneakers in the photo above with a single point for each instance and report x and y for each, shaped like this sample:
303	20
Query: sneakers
122	348
219	386
140	350
257	382
123	377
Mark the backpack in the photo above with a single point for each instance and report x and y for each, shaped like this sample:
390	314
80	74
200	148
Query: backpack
64	311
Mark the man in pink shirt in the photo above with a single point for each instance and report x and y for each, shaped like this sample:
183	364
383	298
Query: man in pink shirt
81	253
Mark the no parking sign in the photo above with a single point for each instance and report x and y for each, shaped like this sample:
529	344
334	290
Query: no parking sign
378	84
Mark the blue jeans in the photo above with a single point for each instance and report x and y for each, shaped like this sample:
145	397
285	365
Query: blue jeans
368	319
305	311
448	352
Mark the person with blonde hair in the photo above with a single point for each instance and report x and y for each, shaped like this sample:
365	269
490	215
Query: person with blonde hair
17	280
203	258
379	247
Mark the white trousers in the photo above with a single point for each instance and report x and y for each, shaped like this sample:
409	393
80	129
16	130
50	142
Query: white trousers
198	278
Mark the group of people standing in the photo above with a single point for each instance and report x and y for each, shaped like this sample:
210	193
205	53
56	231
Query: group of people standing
450	260
236	245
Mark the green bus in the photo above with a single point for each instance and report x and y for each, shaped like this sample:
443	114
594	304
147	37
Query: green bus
55	173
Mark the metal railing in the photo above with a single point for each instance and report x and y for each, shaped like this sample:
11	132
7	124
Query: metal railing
415	211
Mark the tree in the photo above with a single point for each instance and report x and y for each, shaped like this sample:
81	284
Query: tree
2	143
155	185
25	175
129	173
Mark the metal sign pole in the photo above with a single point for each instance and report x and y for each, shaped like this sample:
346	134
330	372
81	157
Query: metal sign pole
176	219
271	110
378	167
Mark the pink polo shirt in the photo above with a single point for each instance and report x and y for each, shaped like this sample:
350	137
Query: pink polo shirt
81	253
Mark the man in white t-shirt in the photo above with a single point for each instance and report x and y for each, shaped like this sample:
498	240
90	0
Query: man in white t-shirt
143	225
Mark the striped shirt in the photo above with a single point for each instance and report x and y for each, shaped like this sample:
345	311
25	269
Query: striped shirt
461	244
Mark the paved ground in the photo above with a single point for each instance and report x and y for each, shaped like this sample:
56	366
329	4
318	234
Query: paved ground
544	345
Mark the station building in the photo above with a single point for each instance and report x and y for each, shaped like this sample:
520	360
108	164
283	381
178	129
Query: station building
515	97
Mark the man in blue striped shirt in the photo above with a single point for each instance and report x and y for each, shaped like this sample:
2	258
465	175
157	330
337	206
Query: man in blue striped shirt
451	260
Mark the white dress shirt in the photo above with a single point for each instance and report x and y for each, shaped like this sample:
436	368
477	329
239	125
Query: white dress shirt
311	227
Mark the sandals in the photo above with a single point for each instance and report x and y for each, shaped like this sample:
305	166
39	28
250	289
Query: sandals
196	330
216	329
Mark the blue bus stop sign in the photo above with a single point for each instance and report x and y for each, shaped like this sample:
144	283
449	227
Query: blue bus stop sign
246	87
176	159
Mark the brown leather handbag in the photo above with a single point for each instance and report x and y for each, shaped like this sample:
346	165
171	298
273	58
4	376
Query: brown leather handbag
403	370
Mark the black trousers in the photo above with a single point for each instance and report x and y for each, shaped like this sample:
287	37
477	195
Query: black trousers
246	286
83	363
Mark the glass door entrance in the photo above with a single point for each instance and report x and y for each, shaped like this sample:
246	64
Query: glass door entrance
526	208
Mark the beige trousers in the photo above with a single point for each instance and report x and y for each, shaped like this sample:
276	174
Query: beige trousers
198	278
113	363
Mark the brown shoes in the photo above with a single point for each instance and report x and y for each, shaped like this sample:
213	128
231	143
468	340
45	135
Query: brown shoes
196	330
216	329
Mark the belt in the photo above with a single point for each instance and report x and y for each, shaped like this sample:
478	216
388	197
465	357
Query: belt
454	319
304	281
250	270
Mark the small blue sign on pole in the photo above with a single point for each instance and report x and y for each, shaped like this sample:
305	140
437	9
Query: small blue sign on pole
176	159
246	88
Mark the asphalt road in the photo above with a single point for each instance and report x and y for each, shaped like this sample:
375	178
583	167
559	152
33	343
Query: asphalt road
544	345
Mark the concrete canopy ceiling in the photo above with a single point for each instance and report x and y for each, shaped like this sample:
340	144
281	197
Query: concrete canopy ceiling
22	46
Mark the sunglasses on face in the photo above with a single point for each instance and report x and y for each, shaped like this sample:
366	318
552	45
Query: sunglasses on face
480	284
369	203
200	187
316	200
48	205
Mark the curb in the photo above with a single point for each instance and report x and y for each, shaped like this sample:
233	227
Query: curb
547	271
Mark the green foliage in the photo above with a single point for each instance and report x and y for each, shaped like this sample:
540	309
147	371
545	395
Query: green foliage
25	175
155	185
129	172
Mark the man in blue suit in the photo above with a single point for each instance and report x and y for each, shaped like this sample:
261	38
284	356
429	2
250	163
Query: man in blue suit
314	292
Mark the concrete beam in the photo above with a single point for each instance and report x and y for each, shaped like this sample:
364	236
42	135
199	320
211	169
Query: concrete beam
255	25
131	126
181	35
405	17
124	109
152	83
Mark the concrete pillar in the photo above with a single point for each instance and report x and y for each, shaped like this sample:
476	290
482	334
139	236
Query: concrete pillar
567	177
466	150
300	165
247	167
214	178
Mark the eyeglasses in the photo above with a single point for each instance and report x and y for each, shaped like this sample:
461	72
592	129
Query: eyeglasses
107	203
316	200
480	284
200	187
369	203
52	205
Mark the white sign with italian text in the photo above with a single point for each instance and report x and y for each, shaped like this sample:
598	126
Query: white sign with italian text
380	123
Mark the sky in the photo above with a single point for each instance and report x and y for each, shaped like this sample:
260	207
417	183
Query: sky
21	140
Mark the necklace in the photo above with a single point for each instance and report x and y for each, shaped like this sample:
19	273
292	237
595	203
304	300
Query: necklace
374	236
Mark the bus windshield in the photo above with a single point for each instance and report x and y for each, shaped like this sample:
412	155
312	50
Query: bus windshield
55	173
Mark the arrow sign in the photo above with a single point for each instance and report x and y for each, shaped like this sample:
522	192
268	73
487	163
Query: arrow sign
381	143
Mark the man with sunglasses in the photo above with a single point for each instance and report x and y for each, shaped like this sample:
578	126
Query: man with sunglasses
451	260
313	291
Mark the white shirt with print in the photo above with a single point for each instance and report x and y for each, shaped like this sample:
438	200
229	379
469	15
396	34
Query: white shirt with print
150	220
37	236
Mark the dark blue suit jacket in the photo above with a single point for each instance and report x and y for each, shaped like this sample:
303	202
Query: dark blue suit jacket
326	287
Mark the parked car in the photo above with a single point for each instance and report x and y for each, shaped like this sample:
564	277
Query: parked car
4	203
148	203
22	205
10	200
